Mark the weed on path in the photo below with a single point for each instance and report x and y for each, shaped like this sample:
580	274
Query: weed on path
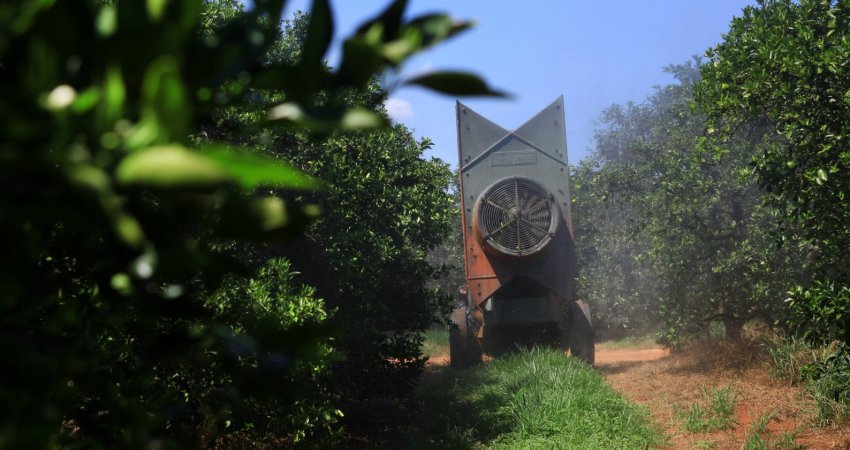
720	396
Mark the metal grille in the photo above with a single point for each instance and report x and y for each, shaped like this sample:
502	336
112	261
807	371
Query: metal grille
516	216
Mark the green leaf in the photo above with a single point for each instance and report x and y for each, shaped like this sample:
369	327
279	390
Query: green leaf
361	119
389	19
251	170
361	59
114	95
455	83
821	178
263	218
96	181
176	167
435	28
87	100
400	49
60	98
107	21
164	99
171	167
324	119
156	8
319	34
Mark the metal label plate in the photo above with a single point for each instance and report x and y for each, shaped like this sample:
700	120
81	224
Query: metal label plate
524	158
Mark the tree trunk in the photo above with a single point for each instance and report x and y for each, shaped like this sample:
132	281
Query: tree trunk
734	327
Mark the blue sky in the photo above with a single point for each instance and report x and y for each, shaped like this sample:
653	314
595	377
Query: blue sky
593	53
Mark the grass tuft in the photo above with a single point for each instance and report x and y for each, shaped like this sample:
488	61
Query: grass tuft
756	439
793	359
822	370
713	413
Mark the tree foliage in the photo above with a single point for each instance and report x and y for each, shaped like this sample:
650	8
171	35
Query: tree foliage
118	213
674	231
786	64
386	207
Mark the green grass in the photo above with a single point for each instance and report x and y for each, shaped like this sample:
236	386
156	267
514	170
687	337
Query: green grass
713	413
436	342
756	439
792	358
532	399
821	370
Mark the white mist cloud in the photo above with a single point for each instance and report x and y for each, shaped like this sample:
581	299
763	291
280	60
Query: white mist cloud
399	109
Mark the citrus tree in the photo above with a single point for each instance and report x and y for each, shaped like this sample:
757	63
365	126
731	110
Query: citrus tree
675	232
785	64
116	215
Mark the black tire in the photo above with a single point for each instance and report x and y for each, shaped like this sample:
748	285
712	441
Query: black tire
582	339
464	349
499	340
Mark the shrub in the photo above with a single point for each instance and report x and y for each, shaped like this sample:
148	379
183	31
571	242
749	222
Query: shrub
828	385
273	299
821	312
823	370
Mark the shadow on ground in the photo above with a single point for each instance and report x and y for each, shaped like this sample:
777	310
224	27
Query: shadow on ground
433	419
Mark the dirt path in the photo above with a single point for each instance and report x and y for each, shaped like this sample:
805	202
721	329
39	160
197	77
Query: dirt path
669	383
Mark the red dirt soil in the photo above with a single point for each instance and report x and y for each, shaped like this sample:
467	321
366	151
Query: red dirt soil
668	383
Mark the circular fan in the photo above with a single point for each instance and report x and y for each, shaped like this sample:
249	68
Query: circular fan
517	217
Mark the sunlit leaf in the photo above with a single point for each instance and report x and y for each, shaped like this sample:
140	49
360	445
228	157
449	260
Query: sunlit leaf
87	100
114	95
171	167
156	8
60	97
324	119
164	97
435	28
128	229
389	19
107	21
251	170
359	119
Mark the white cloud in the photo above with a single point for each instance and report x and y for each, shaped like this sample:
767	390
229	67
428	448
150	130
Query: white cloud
399	109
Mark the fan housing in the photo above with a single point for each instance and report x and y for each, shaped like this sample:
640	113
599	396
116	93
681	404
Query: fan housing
517	217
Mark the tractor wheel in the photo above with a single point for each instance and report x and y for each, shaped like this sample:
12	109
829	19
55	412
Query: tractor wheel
582	339
464	349
499	340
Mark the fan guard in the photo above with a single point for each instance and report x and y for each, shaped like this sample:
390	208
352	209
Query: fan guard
517	217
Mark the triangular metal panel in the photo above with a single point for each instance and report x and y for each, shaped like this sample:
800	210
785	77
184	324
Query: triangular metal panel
475	133
512	150
546	130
